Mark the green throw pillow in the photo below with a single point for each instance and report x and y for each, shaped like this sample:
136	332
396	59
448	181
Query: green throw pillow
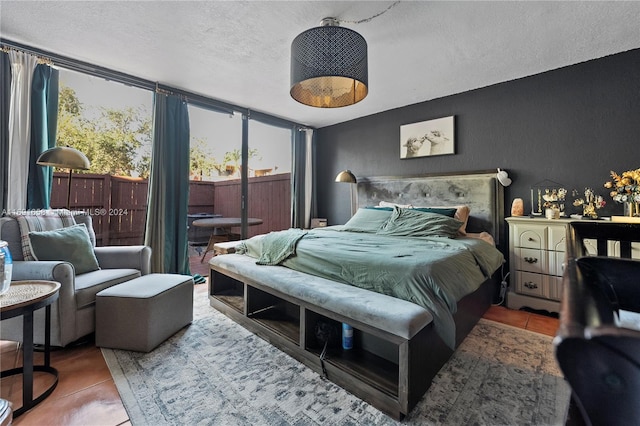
449	212
70	244
440	210
367	220
415	223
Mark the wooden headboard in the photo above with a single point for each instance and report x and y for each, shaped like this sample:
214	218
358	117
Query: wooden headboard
481	191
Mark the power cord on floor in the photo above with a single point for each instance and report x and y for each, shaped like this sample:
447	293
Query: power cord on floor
324	375
503	286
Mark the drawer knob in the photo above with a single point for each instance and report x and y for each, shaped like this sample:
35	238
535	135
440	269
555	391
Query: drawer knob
531	239
531	259
531	285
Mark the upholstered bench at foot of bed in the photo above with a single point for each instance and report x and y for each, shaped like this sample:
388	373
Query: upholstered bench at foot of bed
396	350
395	316
140	314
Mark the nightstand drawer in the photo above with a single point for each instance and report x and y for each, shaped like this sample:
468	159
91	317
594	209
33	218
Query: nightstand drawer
530	283
530	237
555	288
557	238
530	260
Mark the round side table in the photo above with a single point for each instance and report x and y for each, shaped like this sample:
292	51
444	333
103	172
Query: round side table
22	299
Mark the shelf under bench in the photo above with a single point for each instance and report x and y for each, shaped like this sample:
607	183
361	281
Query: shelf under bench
389	372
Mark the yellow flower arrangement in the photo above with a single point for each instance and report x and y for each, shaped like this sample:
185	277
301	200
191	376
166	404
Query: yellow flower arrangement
589	203
626	187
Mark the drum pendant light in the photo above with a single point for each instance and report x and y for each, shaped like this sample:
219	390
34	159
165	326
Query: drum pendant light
329	66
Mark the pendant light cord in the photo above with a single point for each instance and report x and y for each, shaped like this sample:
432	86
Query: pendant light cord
362	21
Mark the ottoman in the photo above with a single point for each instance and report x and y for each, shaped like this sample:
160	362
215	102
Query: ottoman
141	313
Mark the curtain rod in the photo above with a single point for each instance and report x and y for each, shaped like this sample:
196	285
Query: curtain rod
108	74
39	59
80	66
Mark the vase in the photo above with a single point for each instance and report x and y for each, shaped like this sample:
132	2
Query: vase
632	209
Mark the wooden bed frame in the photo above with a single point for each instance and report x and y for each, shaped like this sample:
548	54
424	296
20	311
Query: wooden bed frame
392	373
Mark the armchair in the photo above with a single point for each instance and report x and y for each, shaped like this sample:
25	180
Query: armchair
73	314
597	346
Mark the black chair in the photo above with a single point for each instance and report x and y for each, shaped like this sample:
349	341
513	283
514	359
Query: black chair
599	358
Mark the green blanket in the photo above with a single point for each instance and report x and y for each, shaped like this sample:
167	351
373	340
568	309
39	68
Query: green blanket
433	272
277	246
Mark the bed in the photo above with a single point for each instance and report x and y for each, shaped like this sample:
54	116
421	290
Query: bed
410	306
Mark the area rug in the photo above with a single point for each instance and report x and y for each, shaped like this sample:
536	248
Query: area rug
214	372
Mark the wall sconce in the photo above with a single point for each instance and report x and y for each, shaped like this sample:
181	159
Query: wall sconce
346	176
66	158
329	66
503	178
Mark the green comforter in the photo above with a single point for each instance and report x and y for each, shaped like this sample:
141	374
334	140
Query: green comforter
433	272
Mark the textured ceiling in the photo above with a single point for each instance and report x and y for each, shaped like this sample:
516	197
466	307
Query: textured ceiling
238	51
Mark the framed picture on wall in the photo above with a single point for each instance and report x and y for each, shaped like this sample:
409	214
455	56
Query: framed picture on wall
426	138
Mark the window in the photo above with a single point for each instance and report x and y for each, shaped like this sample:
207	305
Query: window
269	170
111	123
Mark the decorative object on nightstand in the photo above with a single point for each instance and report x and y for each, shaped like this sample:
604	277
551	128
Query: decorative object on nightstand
517	207
552	213
590	203
317	222
548	195
626	190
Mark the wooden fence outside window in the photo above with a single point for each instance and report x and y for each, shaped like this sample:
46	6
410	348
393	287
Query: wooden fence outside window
118	204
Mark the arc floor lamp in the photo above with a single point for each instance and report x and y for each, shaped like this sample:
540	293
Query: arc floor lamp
67	158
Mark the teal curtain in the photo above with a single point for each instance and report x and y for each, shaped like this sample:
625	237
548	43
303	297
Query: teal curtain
5	102
44	123
302	179
168	199
297	184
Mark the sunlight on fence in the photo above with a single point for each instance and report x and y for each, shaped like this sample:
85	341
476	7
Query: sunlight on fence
118	204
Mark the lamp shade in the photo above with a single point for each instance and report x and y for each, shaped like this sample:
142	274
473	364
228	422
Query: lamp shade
329	66
346	176
64	157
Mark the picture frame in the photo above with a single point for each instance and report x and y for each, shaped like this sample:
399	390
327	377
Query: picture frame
427	138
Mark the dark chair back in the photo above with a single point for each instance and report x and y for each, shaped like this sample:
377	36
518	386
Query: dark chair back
599	356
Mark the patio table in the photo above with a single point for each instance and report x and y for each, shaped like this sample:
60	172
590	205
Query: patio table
224	224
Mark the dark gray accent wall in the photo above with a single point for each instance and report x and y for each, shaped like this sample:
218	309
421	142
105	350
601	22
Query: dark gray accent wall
571	125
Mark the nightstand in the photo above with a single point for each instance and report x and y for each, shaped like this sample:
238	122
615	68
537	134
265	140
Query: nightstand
536	259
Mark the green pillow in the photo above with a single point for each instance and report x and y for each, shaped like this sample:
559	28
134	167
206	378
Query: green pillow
70	244
416	223
440	210
367	220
